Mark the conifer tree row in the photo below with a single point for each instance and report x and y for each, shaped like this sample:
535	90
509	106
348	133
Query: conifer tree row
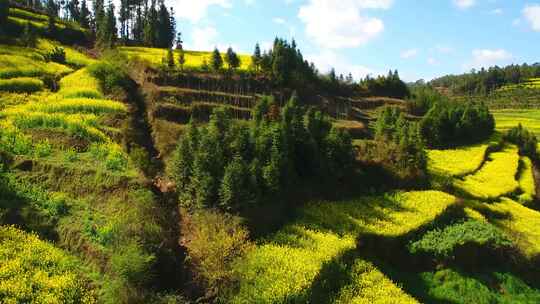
135	22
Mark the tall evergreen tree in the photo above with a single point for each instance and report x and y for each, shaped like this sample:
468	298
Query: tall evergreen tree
4	11
138	27
257	58
74	11
216	62
181	59
84	19
232	59
107	31
151	26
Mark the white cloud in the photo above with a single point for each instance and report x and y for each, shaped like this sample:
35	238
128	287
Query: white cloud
196	10
409	53
249	2
432	61
341	24
278	20
444	49
464	4
532	14
486	58
328	59
497	11
203	38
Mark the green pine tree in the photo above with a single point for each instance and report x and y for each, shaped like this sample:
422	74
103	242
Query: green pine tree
216	62
4	11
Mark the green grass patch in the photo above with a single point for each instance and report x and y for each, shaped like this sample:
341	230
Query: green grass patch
526	181
454	286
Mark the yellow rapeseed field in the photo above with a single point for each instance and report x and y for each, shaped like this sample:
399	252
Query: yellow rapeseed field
194	59
80	84
34	271
521	224
456	162
496	178
281	269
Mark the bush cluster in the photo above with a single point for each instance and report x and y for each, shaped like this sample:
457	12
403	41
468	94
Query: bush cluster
214	241
111	72
231	164
443	243
57	54
403	146
525	140
449	123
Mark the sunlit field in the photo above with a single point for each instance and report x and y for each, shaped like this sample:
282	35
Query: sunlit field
194	59
282	268
496	178
457	162
506	119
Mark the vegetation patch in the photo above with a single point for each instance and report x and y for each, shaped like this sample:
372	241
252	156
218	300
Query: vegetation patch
444	243
526	181
21	85
519	222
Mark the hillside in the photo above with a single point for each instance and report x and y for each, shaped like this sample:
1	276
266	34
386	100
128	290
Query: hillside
127	177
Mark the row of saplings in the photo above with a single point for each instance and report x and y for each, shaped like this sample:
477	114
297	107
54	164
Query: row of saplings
231	165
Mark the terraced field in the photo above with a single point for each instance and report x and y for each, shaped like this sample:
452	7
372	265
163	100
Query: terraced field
496	178
506	119
457	162
283	268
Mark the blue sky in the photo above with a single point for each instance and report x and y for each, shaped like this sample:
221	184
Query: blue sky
420	38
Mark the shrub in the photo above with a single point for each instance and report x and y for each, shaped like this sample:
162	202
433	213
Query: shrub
21	85
29	37
398	146
213	241
111	72
443	243
116	160
42	149
57	54
131	263
448	123
525	140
